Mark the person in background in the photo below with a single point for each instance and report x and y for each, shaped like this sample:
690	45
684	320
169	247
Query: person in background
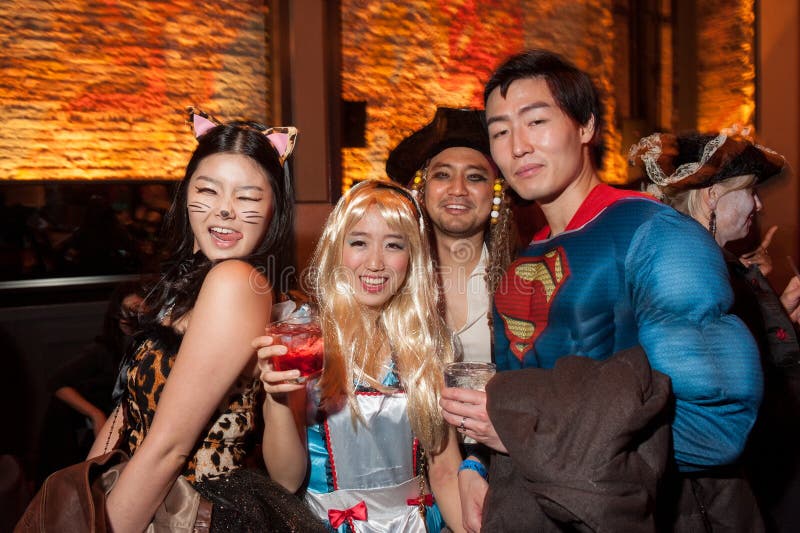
713	178
463	194
448	164
375	439
613	270
192	383
18	456
82	387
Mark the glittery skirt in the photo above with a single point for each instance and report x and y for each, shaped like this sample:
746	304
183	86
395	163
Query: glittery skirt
247	500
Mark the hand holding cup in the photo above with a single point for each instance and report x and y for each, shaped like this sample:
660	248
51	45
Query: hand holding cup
468	374
274	381
302	338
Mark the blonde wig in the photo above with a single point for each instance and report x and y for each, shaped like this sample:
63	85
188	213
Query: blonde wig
690	201
409	322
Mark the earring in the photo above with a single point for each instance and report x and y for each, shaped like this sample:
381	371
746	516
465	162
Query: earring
419	179
712	223
496	200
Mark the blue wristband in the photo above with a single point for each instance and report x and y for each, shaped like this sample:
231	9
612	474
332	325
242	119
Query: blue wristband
471	464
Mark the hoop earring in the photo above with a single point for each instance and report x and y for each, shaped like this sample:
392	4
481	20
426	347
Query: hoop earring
712	223
497	200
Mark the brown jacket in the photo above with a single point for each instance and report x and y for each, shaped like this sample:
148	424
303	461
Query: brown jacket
587	444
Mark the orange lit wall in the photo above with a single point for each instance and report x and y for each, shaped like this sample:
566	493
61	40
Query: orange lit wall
95	89
726	64
405	58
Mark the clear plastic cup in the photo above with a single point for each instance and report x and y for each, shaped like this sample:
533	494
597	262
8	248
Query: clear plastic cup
468	374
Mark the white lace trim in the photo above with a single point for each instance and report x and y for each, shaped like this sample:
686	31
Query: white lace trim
650	148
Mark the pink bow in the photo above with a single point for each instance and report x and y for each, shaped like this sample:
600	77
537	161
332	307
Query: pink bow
357	512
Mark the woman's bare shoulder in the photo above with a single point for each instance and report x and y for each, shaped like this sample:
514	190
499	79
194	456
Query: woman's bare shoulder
237	275
234	292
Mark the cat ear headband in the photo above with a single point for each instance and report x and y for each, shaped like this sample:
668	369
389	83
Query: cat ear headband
283	139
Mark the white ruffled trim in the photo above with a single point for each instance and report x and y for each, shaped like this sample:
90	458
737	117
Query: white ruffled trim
649	149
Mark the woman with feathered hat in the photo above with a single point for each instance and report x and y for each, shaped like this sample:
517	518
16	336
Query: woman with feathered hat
713	179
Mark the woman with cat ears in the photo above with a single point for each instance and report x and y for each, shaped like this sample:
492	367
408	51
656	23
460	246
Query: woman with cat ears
189	408
374	422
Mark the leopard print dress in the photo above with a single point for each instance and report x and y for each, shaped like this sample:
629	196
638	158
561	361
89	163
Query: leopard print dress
244	498
226	440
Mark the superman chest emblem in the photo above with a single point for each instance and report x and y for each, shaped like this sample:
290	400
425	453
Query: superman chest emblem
525	295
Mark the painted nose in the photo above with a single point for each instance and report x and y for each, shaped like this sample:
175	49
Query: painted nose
225	214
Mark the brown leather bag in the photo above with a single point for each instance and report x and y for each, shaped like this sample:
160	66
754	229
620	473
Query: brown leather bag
74	499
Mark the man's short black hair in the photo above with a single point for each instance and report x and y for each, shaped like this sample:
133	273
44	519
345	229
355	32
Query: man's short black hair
572	89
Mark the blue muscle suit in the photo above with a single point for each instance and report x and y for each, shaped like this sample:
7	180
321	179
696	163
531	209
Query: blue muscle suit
629	270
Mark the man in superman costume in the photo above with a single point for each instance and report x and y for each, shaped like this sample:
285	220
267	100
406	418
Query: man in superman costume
613	270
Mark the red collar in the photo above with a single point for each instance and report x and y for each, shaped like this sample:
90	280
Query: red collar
600	197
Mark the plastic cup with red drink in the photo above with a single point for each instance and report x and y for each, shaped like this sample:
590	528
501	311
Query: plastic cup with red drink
303	339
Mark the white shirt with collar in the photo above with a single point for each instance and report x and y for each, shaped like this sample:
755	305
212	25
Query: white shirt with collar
475	335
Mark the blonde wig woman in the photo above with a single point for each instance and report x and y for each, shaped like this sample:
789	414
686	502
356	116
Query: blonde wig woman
420	343
385	348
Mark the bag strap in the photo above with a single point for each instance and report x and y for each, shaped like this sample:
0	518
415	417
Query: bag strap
202	524
111	429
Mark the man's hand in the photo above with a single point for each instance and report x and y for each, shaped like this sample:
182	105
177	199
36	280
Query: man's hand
472	488
466	410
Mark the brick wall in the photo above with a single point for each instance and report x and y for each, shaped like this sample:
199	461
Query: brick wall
405	58
726	64
94	89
